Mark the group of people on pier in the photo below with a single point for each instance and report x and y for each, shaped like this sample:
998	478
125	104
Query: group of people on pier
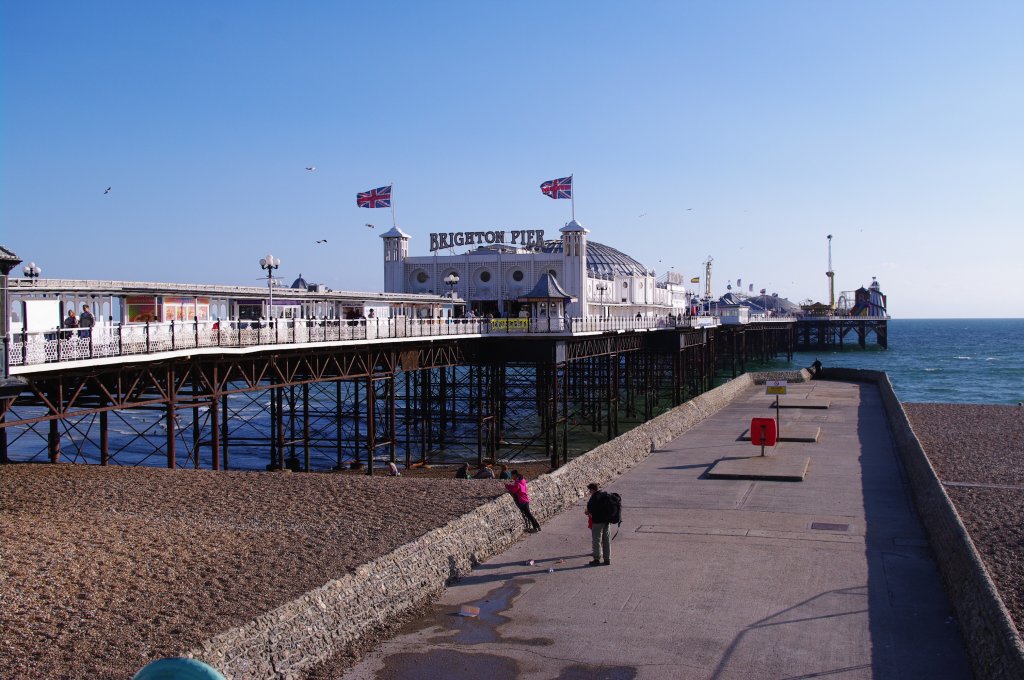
83	322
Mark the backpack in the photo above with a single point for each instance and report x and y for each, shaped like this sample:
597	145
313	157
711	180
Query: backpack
614	508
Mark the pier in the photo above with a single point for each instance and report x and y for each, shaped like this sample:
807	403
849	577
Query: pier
229	377
359	392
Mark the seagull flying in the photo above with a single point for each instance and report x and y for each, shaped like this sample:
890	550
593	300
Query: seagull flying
107	190
311	168
323	240
371	226
689	208
643	215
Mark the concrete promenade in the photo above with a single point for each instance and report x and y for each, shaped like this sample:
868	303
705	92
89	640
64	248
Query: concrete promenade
830	577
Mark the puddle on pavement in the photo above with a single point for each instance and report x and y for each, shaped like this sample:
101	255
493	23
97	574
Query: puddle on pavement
482	629
448	664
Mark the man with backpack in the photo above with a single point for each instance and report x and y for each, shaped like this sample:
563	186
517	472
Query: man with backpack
604	510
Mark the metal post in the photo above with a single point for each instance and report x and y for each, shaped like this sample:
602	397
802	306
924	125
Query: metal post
196	434
4	458
170	418
214	430
273	429
224	427
408	421
371	434
104	439
355	422
53	442
305	426
280	428
338	425
392	418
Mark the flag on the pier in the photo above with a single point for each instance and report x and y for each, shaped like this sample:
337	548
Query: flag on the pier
558	188
695	279
374	198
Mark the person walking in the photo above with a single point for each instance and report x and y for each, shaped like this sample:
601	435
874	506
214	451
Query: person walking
601	507
518	490
86	321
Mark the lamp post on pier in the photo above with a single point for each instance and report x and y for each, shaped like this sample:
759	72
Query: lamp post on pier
452	280
32	272
601	288
270	263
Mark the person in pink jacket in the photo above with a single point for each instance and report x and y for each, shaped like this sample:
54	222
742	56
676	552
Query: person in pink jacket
518	490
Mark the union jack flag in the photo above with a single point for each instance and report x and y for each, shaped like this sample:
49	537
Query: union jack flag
374	198
558	188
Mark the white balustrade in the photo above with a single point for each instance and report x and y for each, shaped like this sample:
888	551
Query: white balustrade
63	345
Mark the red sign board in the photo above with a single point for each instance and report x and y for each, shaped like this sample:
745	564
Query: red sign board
763	432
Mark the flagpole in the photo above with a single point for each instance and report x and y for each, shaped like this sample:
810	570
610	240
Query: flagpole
394	223
572	198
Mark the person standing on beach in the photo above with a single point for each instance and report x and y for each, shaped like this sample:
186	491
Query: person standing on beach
518	490
601	509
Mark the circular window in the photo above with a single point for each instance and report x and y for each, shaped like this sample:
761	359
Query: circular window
625	284
517	275
422	277
485	276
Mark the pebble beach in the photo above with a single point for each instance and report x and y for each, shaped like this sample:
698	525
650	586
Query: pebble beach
105	569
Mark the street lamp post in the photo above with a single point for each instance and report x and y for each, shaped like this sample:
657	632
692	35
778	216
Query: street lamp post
32	271
601	288
270	263
451	281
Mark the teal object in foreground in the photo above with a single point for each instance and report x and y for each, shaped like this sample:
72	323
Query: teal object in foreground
177	669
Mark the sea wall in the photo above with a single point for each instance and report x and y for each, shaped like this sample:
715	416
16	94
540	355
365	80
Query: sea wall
294	637
994	646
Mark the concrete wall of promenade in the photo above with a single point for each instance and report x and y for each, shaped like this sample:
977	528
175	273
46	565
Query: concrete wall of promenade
285	642
992	640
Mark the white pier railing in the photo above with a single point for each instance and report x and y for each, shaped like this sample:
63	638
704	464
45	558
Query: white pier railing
122	340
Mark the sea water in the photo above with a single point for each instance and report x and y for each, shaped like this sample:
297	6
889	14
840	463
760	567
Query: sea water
973	361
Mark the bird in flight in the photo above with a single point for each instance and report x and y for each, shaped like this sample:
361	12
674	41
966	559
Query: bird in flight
323	240
643	215
107	190
311	168
370	226
689	208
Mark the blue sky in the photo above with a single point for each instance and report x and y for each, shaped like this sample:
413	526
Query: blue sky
747	131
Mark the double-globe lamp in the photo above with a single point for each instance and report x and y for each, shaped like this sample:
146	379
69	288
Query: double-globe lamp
269	264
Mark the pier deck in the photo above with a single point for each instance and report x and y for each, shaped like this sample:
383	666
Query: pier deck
714	578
